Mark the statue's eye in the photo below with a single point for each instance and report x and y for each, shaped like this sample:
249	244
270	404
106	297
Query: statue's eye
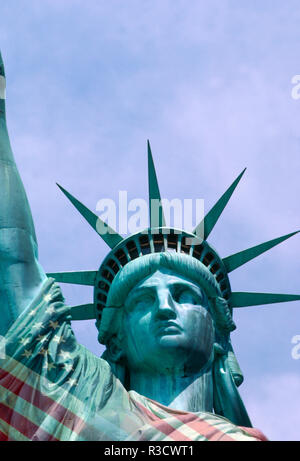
187	296
142	301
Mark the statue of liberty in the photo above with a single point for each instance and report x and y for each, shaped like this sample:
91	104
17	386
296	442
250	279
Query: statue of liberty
163	308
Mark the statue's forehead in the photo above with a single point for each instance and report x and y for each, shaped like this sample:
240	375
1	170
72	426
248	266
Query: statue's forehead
164	277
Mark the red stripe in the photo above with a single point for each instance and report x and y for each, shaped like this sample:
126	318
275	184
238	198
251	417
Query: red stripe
199	425
203	427
43	402
23	425
163	426
210	431
255	433
3	437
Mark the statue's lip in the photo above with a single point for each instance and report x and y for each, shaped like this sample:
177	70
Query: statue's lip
167	326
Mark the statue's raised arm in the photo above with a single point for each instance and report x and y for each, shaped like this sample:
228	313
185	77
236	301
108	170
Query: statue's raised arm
20	272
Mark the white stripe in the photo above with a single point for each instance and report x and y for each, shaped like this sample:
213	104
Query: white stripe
2	87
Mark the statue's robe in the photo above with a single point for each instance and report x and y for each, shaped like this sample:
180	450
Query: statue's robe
52	388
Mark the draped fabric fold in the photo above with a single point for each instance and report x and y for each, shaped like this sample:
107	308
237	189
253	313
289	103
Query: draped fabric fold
52	388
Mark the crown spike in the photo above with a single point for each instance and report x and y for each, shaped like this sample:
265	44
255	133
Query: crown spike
76	277
244	299
213	215
242	257
111	238
154	193
83	312
2	71
2	91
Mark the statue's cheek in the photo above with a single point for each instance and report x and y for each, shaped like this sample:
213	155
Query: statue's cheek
137	339
201	338
200	326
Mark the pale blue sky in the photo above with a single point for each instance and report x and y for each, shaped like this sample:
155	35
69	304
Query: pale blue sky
209	83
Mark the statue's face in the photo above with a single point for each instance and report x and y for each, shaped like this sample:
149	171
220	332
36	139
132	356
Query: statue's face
167	325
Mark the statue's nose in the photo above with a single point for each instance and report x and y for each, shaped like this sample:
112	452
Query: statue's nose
166	308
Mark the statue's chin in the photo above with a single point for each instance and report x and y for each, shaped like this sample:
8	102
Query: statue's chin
175	356
171	339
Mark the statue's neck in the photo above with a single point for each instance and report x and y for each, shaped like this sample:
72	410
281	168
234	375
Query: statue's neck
192	393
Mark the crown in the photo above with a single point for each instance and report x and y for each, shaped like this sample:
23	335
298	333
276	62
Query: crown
158	239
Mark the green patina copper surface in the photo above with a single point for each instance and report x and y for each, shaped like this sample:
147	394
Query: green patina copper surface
154	193
163	308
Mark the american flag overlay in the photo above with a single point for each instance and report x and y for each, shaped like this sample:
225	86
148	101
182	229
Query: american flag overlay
52	388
